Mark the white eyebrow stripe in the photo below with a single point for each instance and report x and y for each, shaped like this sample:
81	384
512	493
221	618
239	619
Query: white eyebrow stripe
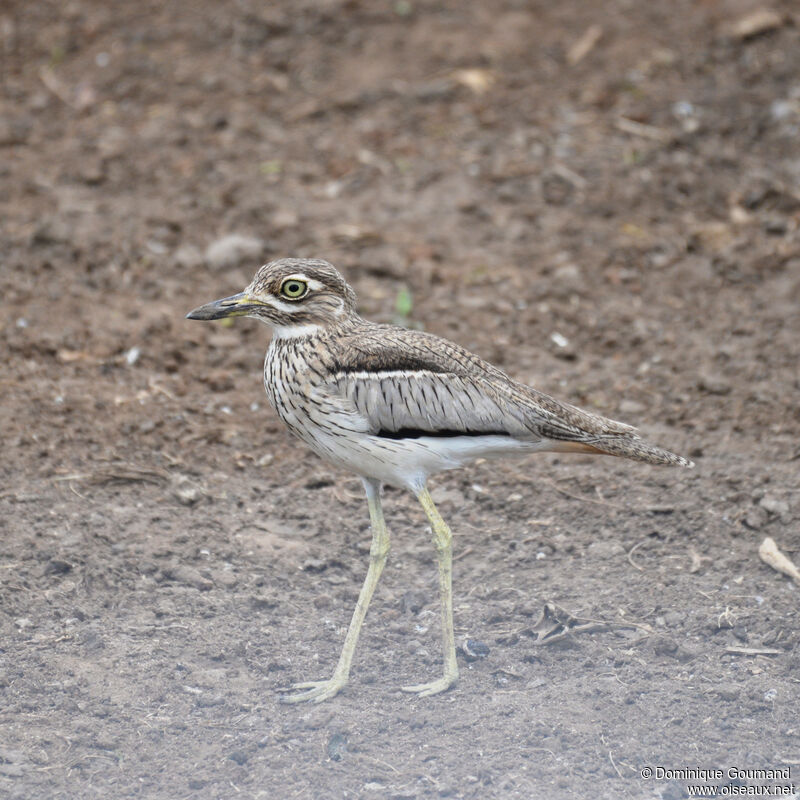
312	283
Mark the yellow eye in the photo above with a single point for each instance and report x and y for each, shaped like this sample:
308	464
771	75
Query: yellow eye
294	289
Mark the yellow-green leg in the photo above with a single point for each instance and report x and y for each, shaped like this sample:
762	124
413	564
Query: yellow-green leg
443	540
317	691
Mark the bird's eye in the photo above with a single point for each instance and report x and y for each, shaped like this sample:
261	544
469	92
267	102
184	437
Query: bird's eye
293	289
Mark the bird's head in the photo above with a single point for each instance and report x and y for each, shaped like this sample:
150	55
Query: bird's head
296	296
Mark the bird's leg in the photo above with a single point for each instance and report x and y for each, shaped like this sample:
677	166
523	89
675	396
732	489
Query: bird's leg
318	691
443	540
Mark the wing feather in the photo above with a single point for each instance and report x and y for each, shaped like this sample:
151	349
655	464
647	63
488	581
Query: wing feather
398	380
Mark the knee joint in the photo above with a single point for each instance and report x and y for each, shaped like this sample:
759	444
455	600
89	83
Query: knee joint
442	537
379	552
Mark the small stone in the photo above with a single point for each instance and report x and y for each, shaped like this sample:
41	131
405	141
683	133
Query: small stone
322	601
264	601
239	757
132	356
182	573
337	746
412	602
776	226
473	650
225	578
756	23
568	277
185	491
232	250
727	691
315	565
105	741
756	518
714	384
605	548
92	173
209	701
686	653
219	381
774	505
674	618
55	566
664	646
740	632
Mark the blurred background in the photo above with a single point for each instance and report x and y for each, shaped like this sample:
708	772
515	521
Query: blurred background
602	198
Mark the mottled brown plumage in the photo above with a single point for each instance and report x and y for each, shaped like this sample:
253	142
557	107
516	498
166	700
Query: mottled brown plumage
396	405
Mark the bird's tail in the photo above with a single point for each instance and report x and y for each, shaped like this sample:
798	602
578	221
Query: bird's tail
627	447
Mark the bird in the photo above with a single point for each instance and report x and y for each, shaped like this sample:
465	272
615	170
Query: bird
394	406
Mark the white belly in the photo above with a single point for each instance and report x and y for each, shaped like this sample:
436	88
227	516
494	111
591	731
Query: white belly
407	463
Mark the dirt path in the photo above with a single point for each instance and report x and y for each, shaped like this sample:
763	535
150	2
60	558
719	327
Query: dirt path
601	198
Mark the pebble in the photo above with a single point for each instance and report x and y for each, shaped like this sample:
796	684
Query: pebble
774	505
714	384
568	278
412	602
182	573
337	746
756	518
239	756
727	691
605	548
132	356
474	650
225	578
664	646
185	491
55	566
232	250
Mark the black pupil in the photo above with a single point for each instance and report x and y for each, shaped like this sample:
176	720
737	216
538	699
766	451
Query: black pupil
294	288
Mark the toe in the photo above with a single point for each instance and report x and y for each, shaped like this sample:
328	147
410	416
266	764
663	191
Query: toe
316	692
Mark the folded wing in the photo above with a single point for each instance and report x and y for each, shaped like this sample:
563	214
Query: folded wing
406	384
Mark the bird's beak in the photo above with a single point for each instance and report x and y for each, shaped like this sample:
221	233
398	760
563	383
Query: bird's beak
237	305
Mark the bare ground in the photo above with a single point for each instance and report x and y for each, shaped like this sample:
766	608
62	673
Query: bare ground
611	215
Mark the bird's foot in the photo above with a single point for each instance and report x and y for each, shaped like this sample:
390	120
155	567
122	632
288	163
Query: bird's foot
434	687
316	691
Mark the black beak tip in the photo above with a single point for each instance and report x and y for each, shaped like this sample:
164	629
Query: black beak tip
206	312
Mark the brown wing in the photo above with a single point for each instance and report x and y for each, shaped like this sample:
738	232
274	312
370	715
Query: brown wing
411	383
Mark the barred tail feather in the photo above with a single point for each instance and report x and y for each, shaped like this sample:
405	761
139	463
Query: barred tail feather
639	450
625	447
